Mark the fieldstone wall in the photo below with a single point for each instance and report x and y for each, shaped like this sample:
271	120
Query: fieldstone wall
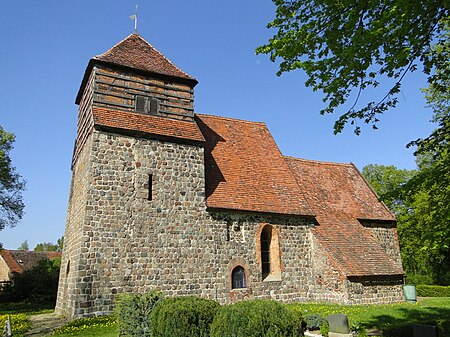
375	291
328	284
120	241
237	243
71	270
137	220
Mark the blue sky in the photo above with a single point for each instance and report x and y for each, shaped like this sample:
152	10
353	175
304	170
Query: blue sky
46	45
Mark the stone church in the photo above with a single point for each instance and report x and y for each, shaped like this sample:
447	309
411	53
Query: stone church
191	204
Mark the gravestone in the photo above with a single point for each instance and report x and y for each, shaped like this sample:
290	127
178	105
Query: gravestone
422	330
338	324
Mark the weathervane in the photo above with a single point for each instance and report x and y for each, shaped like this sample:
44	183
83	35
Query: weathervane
134	17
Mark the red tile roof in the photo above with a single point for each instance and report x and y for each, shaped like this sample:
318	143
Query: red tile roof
245	170
339	196
135	52
20	260
154	125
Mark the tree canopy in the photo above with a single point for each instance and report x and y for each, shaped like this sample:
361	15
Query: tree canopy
420	200
50	247
11	184
348	46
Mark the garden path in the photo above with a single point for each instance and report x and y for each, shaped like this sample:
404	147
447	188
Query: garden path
44	324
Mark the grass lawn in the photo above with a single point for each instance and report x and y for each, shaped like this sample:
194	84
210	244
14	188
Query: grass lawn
93	332
393	319
433	310
18	314
102	326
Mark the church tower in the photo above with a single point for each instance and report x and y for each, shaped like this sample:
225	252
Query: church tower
137	164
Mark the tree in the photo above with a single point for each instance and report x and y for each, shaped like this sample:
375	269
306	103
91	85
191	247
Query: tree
36	285
46	247
348	46
24	246
60	243
387	181
420	200
11	184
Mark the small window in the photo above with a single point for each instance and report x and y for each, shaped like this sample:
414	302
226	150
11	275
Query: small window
150	187
238	278
140	103
266	238
149	105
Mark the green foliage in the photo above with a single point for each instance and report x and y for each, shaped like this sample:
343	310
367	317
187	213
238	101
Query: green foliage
24	246
47	247
324	329
261	318
80	326
346	47
11	184
419	198
37	285
133	313
387	182
418	279
183	316
25	307
19	324
432	291
314	321
60	243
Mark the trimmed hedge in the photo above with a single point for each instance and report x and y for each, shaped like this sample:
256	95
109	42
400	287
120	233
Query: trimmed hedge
257	318
183	316
133	313
433	291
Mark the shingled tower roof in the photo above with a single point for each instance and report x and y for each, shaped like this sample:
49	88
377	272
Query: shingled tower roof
136	54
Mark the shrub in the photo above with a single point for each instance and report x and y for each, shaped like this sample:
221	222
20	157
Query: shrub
433	291
262	318
183	316
314	321
133	313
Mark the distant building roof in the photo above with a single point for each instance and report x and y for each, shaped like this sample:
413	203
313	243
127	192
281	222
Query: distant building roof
20	260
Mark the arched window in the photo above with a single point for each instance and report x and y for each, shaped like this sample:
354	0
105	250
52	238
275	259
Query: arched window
266	238
268	252
238	278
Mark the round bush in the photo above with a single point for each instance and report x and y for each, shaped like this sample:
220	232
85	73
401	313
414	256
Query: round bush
258	318
315	321
183	316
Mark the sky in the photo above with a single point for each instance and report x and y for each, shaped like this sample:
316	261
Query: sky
45	48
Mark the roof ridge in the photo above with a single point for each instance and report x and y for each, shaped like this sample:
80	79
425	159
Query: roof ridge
111	48
156	50
320	161
231	119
